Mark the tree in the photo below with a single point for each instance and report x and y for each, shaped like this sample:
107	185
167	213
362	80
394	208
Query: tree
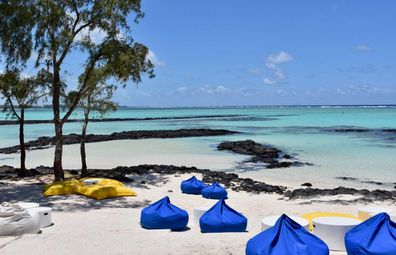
56	28
97	100
20	94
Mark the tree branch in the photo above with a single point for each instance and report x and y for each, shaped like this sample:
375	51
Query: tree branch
82	88
31	101
12	107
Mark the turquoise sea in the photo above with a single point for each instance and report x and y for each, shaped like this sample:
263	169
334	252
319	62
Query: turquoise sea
307	132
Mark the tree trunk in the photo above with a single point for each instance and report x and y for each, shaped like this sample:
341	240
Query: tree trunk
58	169
84	172
22	170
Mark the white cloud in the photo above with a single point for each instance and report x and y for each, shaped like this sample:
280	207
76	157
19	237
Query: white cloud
153	58
255	71
96	35
281	57
363	48
210	90
272	64
277	72
269	81
365	89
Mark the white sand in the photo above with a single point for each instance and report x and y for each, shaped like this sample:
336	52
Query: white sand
86	226
105	155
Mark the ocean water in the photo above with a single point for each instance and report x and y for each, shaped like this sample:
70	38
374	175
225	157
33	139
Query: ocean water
306	132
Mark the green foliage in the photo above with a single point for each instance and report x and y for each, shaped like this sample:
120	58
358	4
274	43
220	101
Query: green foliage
23	92
55	28
16	24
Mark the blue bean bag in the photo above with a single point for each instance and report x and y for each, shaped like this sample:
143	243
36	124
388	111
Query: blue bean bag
222	218
192	186
163	215
375	236
287	237
214	191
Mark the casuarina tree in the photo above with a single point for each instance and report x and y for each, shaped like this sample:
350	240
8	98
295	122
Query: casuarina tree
20	93
95	102
54	29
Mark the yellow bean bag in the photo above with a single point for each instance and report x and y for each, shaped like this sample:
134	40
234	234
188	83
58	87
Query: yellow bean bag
102	192
104	188
62	188
311	216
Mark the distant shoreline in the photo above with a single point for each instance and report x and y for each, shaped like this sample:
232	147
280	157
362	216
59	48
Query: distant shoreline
240	106
33	122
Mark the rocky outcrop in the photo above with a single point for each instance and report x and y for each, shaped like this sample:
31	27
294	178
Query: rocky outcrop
229	180
273	157
368	195
45	141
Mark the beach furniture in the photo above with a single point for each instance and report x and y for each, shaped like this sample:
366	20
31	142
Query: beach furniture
15	220
192	186
97	188
164	215
332	230
311	216
28	205
214	191
198	212
101	192
368	212
375	236
44	215
270	221
67	187
284	238
222	218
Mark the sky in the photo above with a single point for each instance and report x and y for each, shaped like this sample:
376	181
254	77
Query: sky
272	52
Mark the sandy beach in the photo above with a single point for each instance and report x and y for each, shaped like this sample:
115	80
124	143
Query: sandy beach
111	226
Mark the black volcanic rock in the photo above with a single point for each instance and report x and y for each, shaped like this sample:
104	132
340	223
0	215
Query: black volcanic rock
260	153
45	142
229	180
373	195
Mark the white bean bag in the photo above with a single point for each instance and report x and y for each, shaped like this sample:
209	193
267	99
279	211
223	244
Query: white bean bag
14	220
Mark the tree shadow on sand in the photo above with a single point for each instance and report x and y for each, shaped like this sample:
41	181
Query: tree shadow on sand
70	203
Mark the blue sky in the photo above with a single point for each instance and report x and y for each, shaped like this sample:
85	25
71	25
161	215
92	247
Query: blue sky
267	52
255	52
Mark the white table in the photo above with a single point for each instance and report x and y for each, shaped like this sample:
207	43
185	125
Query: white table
332	230
198	212
27	205
368	212
270	221
44	214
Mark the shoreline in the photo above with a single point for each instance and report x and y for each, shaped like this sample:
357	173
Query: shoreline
231	181
44	142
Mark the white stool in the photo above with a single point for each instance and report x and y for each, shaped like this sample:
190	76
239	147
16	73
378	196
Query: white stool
198	212
332	230
270	221
44	214
368	212
27	205
88	182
